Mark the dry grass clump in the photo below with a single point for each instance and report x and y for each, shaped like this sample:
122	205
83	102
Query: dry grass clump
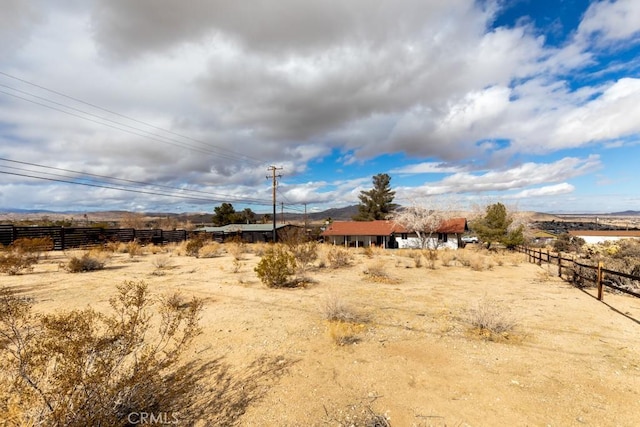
89	261
377	272
134	248
33	246
431	255
491	321
338	257
416	256
13	262
210	250
344	323
447	258
236	249
163	262
334	308
344	333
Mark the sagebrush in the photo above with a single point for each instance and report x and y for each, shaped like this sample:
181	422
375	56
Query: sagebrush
82	367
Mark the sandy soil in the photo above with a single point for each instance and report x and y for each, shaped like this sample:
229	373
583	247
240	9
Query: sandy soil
414	357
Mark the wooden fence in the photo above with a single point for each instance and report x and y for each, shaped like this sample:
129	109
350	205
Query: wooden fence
76	237
578	273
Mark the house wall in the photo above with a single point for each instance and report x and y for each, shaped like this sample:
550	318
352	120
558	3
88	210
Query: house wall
413	242
410	242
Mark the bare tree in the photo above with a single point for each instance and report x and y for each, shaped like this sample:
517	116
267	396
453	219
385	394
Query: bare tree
425	222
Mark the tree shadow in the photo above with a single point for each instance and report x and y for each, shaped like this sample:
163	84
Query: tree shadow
213	394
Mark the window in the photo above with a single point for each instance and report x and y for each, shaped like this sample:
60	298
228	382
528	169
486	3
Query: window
404	236
442	237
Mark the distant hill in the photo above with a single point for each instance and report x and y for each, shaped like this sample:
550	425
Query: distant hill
625	213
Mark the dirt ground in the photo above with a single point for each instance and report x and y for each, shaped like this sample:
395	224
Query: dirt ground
413	356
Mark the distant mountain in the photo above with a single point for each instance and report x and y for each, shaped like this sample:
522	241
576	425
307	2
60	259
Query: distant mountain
625	213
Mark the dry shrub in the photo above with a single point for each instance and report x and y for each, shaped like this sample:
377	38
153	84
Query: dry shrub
335	309
210	250
193	246
477	262
276	267
338	257
377	273
431	255
491	321
82	368
236	249
33	246
344	333
133	248
13	262
416	256
304	254
447	258
163	262
87	262
259	248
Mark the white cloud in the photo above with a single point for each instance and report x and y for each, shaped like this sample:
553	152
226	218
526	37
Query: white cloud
549	190
611	21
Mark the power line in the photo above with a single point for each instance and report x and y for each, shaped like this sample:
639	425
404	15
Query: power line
226	196
131	190
215	150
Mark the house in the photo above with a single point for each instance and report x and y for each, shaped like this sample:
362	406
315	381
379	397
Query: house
250	233
389	234
600	236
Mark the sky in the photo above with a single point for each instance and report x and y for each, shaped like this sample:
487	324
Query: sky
168	106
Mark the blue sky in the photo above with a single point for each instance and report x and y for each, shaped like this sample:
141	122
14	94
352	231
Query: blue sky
171	106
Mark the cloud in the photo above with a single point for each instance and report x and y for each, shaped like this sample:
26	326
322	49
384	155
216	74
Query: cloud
426	167
549	190
611	21
516	178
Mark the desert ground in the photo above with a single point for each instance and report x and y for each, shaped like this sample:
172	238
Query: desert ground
411	355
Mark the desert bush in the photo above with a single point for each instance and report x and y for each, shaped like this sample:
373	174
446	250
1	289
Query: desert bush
133	248
477	262
163	262
344	333
338	257
491	320
334	308
377	273
304	254
210	250
276	267
447	258
193	246
14	262
236	249
33	246
81	367
87	262
416	256
431	255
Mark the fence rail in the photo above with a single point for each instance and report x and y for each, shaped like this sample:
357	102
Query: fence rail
579	273
77	237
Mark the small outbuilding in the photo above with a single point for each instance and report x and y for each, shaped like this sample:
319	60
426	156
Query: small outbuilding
250	233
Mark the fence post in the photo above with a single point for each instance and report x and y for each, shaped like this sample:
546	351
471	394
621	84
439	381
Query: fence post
559	264
600	280
548	257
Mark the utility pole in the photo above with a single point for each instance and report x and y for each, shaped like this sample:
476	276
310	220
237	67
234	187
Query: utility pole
273	176
282	213
306	225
